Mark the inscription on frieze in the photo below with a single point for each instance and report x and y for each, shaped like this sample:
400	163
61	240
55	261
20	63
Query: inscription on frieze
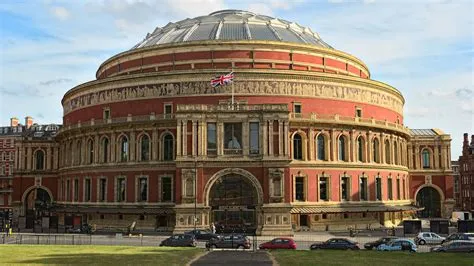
248	87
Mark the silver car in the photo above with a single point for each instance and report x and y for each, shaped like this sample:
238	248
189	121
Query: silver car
428	238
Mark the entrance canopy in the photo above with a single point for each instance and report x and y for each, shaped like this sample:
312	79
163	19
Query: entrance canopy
343	209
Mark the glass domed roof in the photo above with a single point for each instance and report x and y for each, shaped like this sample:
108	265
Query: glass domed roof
232	25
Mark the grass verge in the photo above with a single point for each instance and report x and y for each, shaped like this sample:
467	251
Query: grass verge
363	257
95	255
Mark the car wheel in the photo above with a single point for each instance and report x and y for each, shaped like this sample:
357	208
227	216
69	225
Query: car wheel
422	242
213	246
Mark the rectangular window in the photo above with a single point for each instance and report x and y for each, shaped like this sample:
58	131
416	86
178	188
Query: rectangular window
254	138
168	110
389	188
143	189
323	188
403	183
106	114
87	190
363	188
166	189
121	189
378	188
299	187
102	189
398	189
359	112
297	108
211	139
345	188
232	138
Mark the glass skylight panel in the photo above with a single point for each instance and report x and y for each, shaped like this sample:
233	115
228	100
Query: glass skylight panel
233	31
287	35
204	32
262	32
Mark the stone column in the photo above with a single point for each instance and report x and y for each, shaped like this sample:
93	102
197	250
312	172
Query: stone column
185	137
286	137
265	137
200	138
270	137
352	147
245	138
155	146
220	138
368	147
49	157
410	157
204	138
84	150
96	149
132	148
56	158
436	161
311	144
113	150
333	141
444	157
18	161
193	138
281	139
179	138
449	157
29	157
417	156
382	149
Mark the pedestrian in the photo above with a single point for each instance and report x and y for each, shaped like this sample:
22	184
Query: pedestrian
213	228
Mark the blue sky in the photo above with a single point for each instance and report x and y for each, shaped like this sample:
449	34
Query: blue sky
424	48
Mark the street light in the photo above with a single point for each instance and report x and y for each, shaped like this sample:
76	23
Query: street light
195	193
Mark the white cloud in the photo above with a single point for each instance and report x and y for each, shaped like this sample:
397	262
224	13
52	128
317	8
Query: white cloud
60	12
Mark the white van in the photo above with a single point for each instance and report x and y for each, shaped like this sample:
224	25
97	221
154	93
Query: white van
459	215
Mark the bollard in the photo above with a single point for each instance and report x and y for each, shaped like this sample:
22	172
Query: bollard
141	240
73	239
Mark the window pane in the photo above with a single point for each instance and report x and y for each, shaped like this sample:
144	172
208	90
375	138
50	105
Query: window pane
323	188
232	138
120	189
342	148
321	148
87	190
299	188
363	188
345	188
145	148
76	190
105	150
211	139
389	187
360	149
378	184
168	149
103	189
166	189
143	189
297	147
124	149
254	138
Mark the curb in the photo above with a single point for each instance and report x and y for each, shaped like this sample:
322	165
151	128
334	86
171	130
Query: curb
196	258
272	258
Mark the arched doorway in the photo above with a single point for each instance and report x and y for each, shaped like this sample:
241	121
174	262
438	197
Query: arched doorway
233	199
430	199
37	203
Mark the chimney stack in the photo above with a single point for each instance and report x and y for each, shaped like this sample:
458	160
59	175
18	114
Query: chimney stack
472	140
28	122
14	122
465	144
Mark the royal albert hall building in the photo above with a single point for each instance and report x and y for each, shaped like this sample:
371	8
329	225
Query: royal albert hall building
310	141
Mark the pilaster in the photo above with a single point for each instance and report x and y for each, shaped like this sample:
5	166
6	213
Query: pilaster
270	137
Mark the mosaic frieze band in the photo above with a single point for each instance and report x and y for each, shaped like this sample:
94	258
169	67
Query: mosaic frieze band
290	88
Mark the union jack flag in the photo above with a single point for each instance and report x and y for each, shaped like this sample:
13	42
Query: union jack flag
222	80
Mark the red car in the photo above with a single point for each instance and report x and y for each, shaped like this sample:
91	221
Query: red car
279	243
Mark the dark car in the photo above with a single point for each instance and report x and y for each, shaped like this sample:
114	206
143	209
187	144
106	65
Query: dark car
84	229
279	243
456	236
179	241
455	246
201	234
229	241
335	243
375	244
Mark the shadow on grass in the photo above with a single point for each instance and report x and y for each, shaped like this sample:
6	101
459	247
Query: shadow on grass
143	257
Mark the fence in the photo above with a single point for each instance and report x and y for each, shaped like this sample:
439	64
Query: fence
303	240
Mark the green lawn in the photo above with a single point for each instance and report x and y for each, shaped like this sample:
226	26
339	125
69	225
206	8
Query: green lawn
364	257
98	255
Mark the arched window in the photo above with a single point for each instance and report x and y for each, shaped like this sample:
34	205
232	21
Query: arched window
395	153
360	149
425	154
387	152
145	148
105	150
90	153
78	153
124	149
168	149
321	147
39	156
375	151
342	148
297	147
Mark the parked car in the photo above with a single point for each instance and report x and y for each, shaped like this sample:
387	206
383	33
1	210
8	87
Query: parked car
201	234
335	243
84	229
458	236
181	240
428	238
379	241
279	243
455	246
398	245
229	241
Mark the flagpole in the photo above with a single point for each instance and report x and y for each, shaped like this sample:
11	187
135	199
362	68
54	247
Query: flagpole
232	71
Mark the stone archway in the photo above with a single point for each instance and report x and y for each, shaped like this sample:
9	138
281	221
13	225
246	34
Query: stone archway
431	198
36	203
234	197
